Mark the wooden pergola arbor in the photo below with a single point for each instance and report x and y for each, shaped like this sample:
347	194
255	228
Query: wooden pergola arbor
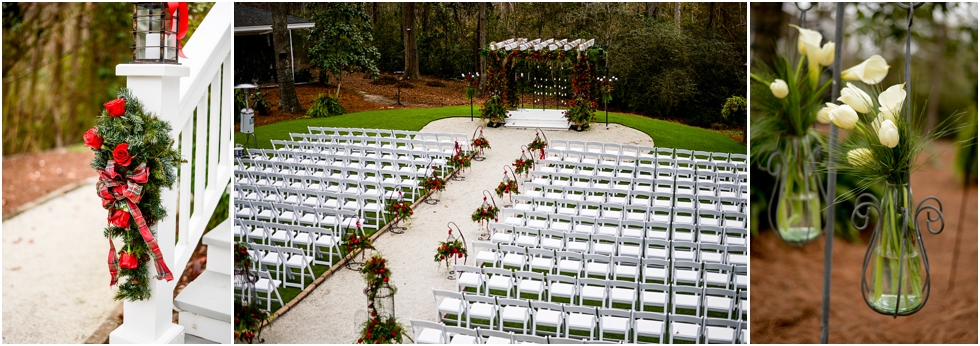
502	81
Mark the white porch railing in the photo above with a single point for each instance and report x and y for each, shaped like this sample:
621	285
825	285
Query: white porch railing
199	108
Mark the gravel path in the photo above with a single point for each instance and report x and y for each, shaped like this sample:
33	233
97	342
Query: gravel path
333	312
55	279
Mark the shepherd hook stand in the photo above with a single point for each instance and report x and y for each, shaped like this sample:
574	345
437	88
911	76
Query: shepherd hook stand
485	236
452	273
477	152
513	175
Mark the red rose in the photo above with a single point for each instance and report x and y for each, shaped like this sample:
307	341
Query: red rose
121	155
92	139
386	279
119	218
116	107
127	261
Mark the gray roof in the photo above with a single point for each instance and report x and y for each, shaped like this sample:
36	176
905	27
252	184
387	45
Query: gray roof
251	16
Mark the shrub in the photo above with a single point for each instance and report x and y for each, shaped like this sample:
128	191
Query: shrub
325	106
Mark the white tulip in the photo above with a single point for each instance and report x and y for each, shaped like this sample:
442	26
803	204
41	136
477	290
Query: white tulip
870	71
856	98
844	117
827	54
888	134
859	156
808	44
823	115
807	38
779	88
891	101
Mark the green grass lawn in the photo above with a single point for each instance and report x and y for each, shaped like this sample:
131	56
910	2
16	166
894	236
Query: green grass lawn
664	133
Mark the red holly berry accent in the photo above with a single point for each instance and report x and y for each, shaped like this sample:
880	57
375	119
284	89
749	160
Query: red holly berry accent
116	107
92	139
121	155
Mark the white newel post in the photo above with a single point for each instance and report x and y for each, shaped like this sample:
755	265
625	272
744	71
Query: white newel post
157	86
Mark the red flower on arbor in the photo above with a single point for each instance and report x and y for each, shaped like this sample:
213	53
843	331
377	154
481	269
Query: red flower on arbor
121	155
116	107
92	139
119	218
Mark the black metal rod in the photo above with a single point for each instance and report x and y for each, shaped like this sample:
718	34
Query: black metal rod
828	255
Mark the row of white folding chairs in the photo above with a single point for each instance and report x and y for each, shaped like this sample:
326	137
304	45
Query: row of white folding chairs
611	267
317	164
570	200
331	152
645	324
317	208
427	141
363	146
656	184
397	159
503	233
383	133
612	168
616	148
675	216
319	243
284	263
299	215
587	292
575	251
265	289
564	318
559	157
316	191
366	181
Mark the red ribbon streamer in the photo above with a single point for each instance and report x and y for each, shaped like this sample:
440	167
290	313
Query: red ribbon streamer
181	26
118	192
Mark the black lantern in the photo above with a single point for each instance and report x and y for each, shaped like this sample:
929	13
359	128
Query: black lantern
155	38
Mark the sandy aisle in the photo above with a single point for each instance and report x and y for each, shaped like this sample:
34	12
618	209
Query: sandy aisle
334	311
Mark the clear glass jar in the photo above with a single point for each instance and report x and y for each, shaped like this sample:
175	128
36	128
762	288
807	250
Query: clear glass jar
798	207
895	272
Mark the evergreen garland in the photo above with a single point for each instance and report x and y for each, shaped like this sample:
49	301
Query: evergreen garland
149	142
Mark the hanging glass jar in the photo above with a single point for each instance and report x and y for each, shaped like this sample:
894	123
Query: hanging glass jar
797	206
896	269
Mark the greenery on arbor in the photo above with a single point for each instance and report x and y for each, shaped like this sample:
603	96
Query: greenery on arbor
342	41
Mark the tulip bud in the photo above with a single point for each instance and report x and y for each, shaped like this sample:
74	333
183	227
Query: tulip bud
888	134
844	117
856	98
891	101
779	88
870	71
859	156
823	115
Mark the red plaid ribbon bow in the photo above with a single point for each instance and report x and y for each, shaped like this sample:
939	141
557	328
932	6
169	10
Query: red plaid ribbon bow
123	193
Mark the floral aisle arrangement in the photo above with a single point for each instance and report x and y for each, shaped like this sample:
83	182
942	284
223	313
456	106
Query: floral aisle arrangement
539	145
135	161
508	186
480	143
401	209
882	148
358	241
452	248
434	183
494	111
381	327
461	158
248	320
485	213
789	96
581	111
248	316
523	165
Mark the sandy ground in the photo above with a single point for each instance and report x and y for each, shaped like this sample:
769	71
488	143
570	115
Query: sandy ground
333	312
55	279
27	177
786	282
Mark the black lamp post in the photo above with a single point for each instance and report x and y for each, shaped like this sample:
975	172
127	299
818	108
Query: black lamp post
156	29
